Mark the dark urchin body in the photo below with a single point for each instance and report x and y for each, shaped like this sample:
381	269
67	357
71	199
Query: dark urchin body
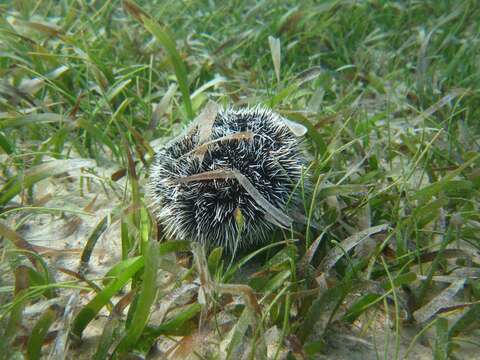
208	211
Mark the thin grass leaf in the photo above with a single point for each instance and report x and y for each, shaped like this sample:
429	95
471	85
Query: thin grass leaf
467	322
174	246
274	44
334	190
440	350
133	177
127	241
179	325
206	175
144	230
80	277
119	268
32	119
214	260
309	254
175	326
113	328
141	144
39	332
237	334
205	126
296	128
346	245
92	240
161	108
146	296
276	213
361	306
425	285
117	89
308	75
443	299
89	311
37	278
43	28
277	281
19	243
400	280
312	133
5	144
217	80
205	121
31	86
16	312
164	248
230	273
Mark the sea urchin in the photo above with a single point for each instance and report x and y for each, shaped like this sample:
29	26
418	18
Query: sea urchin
227	179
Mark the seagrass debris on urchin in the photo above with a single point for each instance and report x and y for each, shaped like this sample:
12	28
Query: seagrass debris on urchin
228	178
